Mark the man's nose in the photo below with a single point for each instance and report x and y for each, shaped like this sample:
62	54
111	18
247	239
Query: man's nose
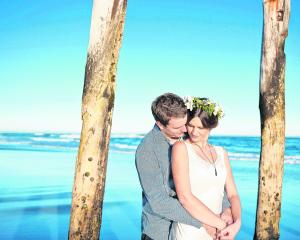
183	129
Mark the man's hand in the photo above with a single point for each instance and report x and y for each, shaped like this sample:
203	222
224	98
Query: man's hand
227	216
230	231
211	231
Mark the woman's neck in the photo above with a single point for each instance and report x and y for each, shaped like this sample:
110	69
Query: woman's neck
202	143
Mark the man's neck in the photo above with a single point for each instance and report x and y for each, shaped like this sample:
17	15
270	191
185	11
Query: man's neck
171	140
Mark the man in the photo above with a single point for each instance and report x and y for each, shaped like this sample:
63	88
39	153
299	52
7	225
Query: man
153	156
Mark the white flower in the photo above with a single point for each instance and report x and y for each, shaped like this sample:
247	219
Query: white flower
188	100
222	114
208	102
217	109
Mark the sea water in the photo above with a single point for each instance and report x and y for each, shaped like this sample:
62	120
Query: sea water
37	173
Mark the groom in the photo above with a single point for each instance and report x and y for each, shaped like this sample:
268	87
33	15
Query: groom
153	163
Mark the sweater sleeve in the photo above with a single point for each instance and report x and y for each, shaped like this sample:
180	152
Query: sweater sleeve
155	190
225	203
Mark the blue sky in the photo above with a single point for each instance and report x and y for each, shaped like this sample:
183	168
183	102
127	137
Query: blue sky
201	48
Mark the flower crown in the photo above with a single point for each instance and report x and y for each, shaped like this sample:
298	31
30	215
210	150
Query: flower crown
206	105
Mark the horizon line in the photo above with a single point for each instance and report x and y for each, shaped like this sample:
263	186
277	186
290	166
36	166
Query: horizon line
137	133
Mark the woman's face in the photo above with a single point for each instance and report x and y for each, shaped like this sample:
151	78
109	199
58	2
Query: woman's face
196	130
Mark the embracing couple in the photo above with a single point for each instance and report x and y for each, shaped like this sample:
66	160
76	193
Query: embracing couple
188	187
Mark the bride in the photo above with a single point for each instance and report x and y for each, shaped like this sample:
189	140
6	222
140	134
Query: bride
200	172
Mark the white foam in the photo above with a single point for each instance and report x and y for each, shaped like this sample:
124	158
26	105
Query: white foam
119	151
39	134
256	157
243	155
292	157
245	159
124	146
71	135
126	135
41	139
15	143
295	162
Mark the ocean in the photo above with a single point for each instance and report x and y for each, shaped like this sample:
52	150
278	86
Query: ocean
37	172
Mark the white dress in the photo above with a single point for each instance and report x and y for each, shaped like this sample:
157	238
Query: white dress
207	187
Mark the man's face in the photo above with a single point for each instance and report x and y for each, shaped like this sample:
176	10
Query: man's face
175	128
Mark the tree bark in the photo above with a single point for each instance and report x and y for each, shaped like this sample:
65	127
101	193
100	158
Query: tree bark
97	106
272	112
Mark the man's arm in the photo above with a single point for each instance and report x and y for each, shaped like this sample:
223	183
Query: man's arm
156	192
226	203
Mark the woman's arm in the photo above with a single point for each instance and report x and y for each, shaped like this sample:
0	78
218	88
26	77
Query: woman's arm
231	190
180	171
234	200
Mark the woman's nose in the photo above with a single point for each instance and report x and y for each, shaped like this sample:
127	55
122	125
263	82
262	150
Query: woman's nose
194	131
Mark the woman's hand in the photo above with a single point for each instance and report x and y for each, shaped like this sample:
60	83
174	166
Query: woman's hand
211	231
230	231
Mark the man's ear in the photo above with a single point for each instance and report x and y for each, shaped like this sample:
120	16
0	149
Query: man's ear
158	123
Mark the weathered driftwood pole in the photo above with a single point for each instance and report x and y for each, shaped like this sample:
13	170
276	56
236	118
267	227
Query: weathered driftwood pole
272	112
97	106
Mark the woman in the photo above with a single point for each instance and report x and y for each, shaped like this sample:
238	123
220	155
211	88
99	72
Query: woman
200	172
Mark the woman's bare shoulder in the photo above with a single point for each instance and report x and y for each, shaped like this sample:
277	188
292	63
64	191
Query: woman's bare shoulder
179	145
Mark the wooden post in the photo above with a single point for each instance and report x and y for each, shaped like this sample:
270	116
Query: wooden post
97	106
272	112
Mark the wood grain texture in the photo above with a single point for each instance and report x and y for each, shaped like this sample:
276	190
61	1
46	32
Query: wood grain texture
97	108
272	112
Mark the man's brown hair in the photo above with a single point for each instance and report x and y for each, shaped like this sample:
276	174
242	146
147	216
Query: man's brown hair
166	106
